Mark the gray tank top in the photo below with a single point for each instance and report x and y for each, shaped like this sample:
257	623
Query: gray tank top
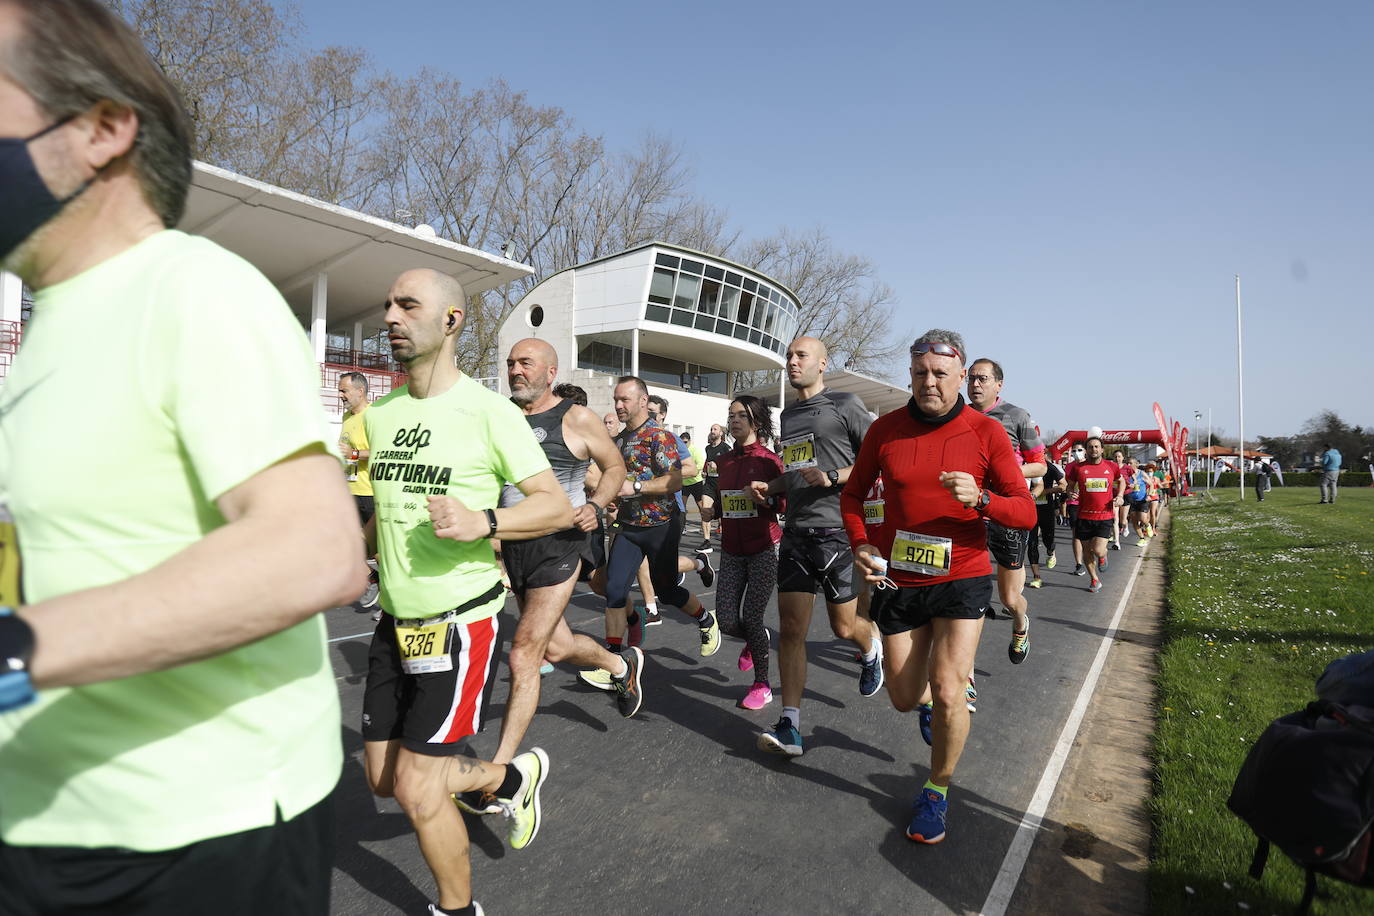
570	470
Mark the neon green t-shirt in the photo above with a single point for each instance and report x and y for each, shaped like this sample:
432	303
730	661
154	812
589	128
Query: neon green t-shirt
699	457
146	387
463	443
353	434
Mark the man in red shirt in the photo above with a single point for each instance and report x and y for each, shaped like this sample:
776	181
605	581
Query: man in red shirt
945	469
1099	486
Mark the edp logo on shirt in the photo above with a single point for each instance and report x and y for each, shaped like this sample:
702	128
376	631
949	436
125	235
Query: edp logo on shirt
417	437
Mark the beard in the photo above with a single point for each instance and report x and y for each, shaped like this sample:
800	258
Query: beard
525	395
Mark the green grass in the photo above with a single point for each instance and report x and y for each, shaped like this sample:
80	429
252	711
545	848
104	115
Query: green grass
1261	597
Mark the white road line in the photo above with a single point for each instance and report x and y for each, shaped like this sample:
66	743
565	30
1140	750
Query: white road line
354	636
1015	860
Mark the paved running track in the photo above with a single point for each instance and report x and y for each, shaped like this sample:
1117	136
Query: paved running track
675	811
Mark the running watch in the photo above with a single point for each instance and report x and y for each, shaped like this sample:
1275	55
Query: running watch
16	647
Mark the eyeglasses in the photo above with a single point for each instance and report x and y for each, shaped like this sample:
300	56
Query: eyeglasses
939	349
980	379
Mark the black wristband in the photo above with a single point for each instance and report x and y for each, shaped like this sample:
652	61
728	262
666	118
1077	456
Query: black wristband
16	641
491	523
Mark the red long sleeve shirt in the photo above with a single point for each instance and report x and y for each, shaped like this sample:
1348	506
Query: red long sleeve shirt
737	467
910	453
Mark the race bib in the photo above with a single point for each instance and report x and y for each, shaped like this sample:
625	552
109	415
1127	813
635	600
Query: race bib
919	553
1097	485
737	504
9	560
799	452
425	649
874	511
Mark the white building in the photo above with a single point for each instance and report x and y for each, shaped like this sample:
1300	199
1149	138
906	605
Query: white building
333	265
684	321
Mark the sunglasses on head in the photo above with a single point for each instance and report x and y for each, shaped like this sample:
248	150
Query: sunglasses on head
939	349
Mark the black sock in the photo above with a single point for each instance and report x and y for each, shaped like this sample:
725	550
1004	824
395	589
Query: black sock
704	619
469	910
511	784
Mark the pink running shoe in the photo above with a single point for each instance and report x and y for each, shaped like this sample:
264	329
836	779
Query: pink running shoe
746	662
758	697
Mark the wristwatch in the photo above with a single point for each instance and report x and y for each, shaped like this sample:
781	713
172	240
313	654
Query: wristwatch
833	477
16	648
638	487
984	497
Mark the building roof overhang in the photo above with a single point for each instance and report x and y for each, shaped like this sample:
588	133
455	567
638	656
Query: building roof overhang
292	238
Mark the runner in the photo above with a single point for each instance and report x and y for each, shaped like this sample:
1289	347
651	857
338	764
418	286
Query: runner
169	722
1119	519
353	447
695	487
1156	485
1008	545
1098	485
650	525
749	536
821	434
451	444
715	447
1051	486
1071	510
700	561
543	571
1137	498
933	548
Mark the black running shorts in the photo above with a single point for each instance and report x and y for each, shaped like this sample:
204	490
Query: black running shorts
902	609
1085	529
811	556
1008	545
281	868
541	562
431	714
695	490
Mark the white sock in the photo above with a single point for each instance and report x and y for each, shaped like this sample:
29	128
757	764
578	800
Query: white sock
873	647
698	564
793	715
651	607
624	668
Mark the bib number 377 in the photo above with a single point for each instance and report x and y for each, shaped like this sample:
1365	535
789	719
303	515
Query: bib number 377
920	553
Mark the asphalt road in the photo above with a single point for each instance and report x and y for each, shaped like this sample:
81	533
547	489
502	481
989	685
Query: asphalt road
675	811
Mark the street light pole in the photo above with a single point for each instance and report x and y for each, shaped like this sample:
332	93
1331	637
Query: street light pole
1240	390
1197	435
1209	448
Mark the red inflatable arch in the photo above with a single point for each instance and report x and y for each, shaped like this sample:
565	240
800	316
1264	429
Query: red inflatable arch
1110	437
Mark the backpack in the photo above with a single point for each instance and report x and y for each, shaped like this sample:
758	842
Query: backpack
1307	787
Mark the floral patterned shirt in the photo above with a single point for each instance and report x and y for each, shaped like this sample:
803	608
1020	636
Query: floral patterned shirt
650	451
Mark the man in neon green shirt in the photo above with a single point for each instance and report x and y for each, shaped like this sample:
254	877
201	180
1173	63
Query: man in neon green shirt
443	445
184	739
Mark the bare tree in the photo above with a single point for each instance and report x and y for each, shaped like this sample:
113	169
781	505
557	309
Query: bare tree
842	301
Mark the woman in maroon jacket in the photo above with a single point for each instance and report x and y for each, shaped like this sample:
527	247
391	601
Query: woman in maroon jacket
749	540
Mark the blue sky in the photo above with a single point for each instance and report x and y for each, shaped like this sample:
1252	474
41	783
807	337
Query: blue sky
1071	185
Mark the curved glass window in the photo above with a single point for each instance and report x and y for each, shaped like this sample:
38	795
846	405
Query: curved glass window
705	297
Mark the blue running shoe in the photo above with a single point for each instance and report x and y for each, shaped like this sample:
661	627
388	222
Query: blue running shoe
927	818
924	713
783	739
871	673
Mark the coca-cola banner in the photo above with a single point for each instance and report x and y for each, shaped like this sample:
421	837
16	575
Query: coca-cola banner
1110	437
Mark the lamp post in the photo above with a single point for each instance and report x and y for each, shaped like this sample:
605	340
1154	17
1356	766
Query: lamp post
1197	435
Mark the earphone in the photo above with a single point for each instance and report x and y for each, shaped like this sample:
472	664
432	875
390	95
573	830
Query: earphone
452	320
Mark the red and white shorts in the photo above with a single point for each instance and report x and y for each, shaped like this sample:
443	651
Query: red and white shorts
430	713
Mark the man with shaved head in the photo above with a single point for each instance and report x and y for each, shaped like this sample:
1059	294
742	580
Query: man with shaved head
442	447
544	570
821	434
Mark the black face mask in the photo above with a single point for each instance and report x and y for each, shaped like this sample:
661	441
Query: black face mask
25	201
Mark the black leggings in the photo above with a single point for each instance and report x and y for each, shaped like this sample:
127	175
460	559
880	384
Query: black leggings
1044	527
659	544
